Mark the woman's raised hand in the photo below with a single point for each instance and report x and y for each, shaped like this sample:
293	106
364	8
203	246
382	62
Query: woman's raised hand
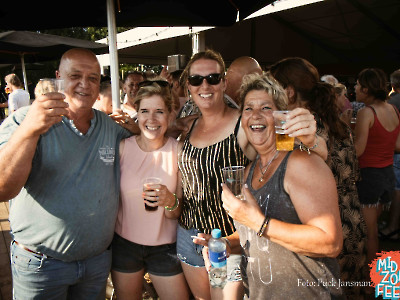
301	125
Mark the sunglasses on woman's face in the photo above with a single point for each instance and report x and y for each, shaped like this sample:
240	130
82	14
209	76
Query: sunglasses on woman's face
161	83
212	79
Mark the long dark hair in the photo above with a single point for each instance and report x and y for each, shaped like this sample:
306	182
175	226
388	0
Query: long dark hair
319	96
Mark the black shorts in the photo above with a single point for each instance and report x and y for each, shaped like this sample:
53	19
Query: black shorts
129	257
376	185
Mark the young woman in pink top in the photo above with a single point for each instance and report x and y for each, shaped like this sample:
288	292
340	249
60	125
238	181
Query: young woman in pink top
145	241
376	132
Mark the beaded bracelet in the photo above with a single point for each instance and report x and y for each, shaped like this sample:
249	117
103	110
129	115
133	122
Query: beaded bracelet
175	205
303	147
263	226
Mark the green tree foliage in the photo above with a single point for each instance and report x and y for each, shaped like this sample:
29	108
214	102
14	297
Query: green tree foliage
84	33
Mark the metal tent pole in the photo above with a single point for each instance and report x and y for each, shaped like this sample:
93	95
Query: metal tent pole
24	72
112	46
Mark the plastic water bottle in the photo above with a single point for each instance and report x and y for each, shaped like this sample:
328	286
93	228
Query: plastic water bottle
217	255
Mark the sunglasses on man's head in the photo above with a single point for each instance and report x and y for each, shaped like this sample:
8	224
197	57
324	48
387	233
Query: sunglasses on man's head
161	83
212	79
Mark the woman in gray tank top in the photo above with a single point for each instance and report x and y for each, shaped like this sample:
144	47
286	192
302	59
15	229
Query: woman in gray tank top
288	229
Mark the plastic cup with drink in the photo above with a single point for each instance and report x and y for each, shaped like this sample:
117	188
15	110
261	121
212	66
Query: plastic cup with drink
353	122
151	185
234	179
283	141
50	85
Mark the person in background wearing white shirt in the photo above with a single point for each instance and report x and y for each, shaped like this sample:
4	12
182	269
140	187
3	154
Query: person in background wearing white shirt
18	97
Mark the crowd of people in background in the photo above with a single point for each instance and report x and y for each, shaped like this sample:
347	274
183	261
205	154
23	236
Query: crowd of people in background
73	169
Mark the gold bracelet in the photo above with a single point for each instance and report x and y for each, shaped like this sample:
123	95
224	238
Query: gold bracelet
175	205
263	226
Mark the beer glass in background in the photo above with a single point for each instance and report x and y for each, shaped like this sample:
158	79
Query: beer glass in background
151	184
353	122
283	141
234	179
50	85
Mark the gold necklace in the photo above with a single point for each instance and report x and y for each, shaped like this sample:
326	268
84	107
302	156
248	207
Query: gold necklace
267	166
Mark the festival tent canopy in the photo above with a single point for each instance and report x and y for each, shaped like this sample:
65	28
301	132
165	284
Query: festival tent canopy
26	46
338	36
38	47
46	14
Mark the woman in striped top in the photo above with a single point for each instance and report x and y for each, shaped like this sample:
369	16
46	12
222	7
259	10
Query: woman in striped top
215	140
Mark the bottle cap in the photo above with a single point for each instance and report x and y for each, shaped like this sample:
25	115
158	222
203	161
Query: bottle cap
216	233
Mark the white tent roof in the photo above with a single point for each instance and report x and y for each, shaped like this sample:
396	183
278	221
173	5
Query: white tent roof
143	35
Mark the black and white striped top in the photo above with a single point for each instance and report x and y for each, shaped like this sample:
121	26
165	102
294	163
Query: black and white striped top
201	170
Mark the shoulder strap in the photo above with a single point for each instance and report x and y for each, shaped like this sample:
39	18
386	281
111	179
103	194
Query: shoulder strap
373	110
237	125
191	128
251	171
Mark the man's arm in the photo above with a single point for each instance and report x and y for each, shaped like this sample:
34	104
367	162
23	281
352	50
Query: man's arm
17	154
16	162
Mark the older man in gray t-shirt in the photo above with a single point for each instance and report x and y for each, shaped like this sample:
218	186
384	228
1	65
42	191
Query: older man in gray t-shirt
60	164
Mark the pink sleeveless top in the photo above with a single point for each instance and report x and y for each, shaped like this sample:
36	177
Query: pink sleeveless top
134	223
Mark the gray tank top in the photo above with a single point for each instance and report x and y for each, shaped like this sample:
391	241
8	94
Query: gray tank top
270	271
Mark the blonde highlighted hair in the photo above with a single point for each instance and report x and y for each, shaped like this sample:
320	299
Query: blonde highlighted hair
264	82
154	89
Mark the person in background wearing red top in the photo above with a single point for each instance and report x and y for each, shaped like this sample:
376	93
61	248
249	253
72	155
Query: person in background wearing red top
376	132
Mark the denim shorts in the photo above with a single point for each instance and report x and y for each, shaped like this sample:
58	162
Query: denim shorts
129	257
191	253
396	169
376	186
39	277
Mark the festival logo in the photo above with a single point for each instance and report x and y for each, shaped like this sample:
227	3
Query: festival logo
385	275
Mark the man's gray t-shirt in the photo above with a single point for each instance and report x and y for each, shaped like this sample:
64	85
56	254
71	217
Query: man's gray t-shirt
68	206
395	100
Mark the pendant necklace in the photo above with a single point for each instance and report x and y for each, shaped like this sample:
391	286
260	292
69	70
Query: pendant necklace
267	166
